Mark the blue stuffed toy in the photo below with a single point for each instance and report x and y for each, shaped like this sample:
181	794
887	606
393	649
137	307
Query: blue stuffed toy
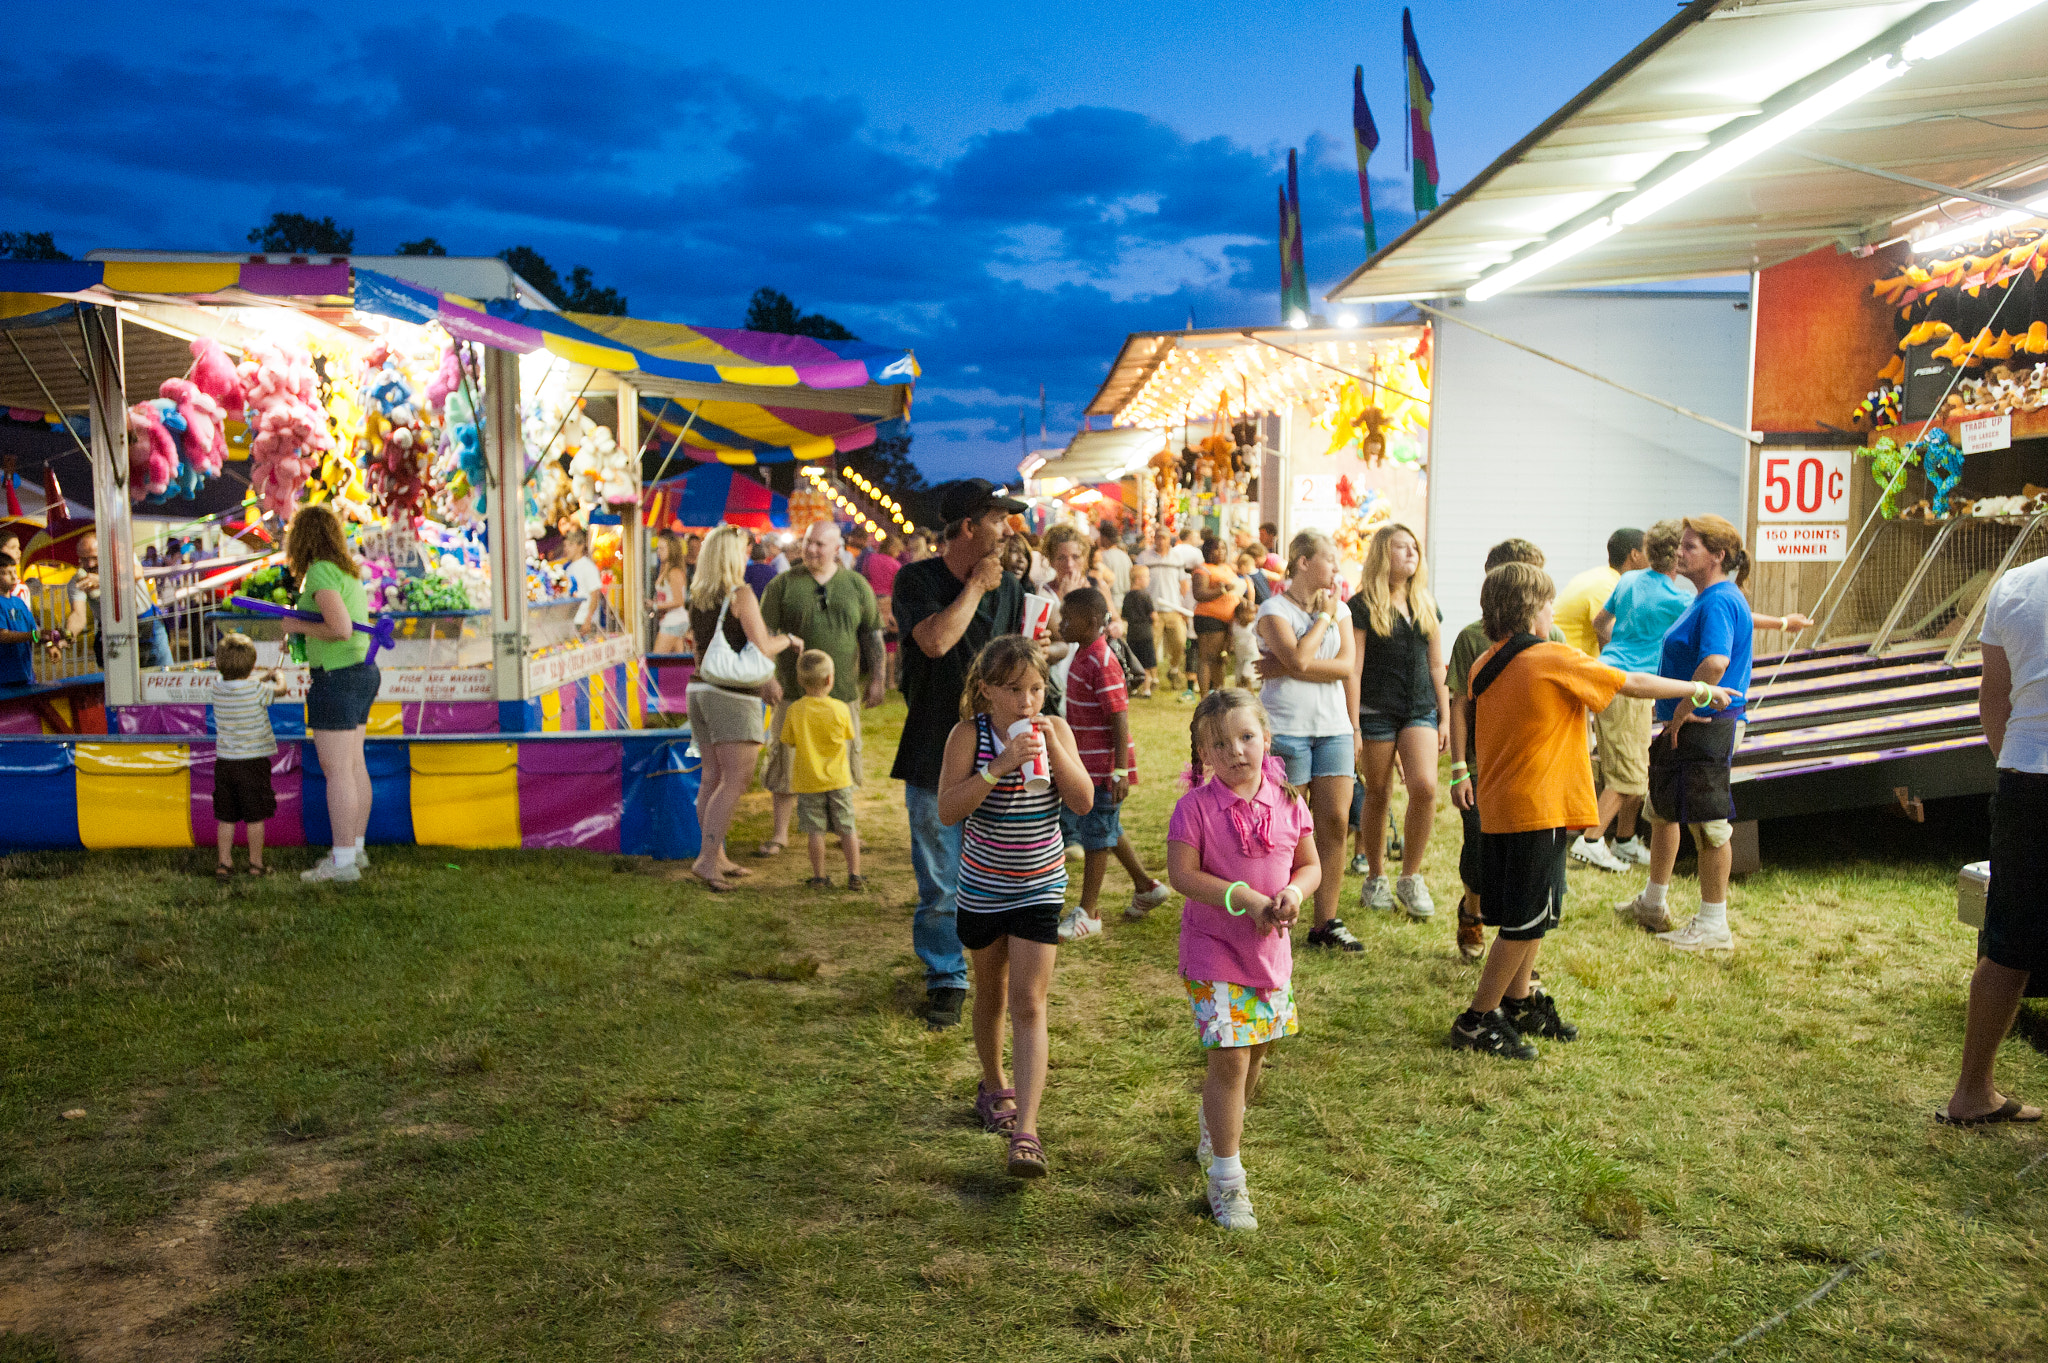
1943	460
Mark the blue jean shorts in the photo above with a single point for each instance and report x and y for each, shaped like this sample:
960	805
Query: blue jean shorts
340	697
1100	829
1376	727
1309	759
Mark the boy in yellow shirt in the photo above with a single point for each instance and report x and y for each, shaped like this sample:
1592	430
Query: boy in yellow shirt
820	730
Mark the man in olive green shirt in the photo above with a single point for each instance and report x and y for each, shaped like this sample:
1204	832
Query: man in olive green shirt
834	611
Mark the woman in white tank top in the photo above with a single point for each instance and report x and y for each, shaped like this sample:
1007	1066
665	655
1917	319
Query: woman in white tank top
1310	694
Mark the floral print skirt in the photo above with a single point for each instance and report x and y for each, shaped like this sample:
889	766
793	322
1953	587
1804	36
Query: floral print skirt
1230	1015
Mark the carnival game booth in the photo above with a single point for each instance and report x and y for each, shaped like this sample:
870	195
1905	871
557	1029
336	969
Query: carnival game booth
1866	164
456	432
1226	429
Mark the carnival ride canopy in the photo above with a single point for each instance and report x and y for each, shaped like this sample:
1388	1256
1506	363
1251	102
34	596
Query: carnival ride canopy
1740	135
714	494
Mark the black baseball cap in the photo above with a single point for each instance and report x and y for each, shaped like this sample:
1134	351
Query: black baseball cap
971	498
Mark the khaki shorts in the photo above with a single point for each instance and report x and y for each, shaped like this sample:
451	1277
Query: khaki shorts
1623	729
825	811
782	757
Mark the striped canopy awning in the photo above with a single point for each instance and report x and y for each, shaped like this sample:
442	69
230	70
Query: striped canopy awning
706	497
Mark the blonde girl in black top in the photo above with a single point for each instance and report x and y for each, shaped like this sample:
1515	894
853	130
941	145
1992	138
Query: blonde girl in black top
1396	628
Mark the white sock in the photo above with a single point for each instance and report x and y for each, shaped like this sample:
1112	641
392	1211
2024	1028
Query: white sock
1653	894
344	856
1226	1169
359	845
1713	917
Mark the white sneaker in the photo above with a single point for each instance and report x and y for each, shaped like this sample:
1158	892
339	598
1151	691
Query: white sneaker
327	870
1693	937
1595	854
1633	852
1414	897
1232	1206
1142	904
362	860
1640	912
1076	925
1376	893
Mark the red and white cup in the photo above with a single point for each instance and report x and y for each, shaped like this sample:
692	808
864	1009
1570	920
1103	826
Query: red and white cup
1038	770
1037	615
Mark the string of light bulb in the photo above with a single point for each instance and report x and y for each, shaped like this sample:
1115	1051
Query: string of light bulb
890	507
1239	380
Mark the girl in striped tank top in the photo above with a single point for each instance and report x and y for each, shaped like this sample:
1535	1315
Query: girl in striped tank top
1013	873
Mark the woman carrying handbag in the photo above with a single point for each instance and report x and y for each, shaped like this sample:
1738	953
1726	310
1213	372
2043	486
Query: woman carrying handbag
735	662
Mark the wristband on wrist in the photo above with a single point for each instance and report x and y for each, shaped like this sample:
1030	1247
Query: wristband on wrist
1457	777
1235	886
1701	694
1118	773
1457	767
989	777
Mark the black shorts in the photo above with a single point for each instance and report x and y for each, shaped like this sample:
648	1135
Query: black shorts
1142	650
341	697
1689	784
1469	865
1032	922
1521	882
1209	624
2016	904
241	790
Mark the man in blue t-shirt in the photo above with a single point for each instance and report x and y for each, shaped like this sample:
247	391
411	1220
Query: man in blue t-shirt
1709	644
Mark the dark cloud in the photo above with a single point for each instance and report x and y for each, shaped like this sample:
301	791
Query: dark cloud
1024	258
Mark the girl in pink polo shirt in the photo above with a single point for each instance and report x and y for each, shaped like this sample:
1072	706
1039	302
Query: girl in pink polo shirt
1242	849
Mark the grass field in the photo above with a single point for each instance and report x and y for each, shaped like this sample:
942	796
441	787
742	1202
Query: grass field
529	1105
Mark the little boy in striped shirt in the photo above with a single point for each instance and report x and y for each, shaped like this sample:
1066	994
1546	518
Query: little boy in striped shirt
1095	706
242	749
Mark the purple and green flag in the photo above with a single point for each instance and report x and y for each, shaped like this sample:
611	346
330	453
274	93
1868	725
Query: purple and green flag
1365	136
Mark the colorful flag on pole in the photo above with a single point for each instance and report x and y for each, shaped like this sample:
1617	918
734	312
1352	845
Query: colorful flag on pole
1365	135
1293	273
1421	96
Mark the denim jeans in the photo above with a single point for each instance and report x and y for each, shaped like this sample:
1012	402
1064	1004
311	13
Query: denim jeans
935	856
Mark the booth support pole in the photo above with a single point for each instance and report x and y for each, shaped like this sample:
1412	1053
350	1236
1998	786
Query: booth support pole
632	527
505	457
111	523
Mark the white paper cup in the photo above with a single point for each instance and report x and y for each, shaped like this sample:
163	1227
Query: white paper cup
1038	771
1037	615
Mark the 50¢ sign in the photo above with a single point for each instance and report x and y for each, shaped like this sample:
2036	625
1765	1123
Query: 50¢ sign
1802	485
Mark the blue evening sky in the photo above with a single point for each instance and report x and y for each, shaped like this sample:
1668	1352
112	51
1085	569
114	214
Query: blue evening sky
1008	190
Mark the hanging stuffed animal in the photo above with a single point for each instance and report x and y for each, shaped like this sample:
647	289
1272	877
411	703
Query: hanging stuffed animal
290	431
152	452
1943	460
204	443
1888	462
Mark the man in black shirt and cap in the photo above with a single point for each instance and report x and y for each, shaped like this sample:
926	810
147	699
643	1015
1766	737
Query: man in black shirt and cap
947	609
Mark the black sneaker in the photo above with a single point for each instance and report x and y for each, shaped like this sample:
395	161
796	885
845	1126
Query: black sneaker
942	1008
1537	1016
1493	1034
1335	935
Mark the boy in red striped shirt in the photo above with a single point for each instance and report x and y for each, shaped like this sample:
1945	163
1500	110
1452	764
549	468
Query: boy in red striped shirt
1094	708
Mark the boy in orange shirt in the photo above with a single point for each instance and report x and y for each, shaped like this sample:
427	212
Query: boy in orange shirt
1531	699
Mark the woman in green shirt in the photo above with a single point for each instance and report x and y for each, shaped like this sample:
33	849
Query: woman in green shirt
344	681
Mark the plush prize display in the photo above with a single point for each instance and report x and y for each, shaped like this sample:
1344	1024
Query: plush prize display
600	472
290	431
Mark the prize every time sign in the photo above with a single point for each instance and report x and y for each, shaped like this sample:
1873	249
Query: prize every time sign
1802	505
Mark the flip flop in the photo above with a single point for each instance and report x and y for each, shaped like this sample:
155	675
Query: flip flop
736	872
2010	1112
258	872
223	874
771	848
715	886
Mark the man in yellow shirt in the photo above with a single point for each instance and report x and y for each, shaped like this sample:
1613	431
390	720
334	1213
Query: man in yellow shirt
819	731
1585	595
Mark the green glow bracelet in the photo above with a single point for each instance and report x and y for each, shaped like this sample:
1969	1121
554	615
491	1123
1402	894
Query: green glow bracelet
1235	885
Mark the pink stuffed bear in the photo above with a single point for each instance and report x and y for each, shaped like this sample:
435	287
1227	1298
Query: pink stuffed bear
290	429
152	452
213	373
206	444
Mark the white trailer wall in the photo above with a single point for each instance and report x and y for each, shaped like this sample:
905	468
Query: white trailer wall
1526	447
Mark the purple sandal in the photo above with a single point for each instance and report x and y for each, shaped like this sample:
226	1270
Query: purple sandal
1027	1156
994	1119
